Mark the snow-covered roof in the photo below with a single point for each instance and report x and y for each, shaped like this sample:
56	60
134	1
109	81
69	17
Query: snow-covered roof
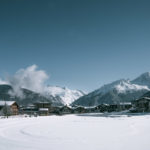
125	103
146	98
9	103
43	109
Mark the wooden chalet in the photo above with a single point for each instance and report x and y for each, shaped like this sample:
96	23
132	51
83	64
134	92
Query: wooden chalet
55	110
102	108
79	109
29	109
42	105
43	111
44	108
9	108
65	110
124	106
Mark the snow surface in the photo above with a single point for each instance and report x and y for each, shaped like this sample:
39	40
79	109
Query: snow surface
67	95
71	132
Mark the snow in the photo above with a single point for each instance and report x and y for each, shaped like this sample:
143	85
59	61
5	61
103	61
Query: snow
9	103
43	109
122	86
67	95
2	82
70	132
127	86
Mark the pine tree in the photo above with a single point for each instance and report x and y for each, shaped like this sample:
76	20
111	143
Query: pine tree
6	110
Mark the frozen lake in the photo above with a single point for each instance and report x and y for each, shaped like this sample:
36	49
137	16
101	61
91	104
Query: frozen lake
72	132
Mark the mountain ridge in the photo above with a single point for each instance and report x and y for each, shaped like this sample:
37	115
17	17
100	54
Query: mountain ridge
118	91
55	95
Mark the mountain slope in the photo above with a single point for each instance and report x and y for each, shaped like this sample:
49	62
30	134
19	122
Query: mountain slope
147	94
53	94
143	79
28	97
118	91
66	95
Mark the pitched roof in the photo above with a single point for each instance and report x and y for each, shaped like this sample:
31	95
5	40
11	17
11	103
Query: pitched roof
142	98
9	103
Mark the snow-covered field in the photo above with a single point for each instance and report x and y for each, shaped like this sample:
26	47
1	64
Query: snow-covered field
72	132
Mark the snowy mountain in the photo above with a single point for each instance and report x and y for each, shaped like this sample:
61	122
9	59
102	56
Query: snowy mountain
28	96
121	86
66	95
54	94
143	79
115	92
118	91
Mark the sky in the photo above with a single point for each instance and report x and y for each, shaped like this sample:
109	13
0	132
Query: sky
80	44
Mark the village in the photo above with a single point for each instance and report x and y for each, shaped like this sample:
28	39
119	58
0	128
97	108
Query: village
10	108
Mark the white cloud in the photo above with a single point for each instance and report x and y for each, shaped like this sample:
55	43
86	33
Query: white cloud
30	78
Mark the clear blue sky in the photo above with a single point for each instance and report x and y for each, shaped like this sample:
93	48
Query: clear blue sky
82	44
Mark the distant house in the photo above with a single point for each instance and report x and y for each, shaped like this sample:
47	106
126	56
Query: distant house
42	105
44	108
65	110
79	109
43	111
92	109
29	109
9	108
141	105
124	106
102	108
55	110
113	107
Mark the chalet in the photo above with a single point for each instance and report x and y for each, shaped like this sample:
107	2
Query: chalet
65	110
92	109
113	107
55	110
42	105
44	108
43	111
102	108
124	106
9	108
79	109
29	109
141	105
